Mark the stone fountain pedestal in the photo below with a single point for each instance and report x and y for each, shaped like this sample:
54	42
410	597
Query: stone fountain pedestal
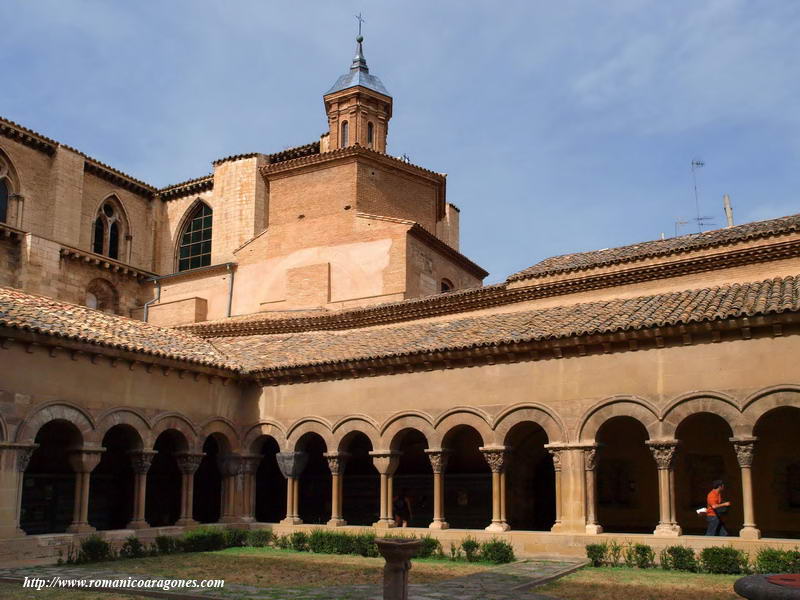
768	587
398	553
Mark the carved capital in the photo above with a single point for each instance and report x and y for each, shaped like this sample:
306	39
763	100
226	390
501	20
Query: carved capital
745	450
23	454
336	462
189	462
385	462
495	457
84	460
438	458
141	460
230	465
663	452
291	464
556	454
250	463
590	458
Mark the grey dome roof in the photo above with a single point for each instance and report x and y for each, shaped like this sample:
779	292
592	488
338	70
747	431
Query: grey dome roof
358	75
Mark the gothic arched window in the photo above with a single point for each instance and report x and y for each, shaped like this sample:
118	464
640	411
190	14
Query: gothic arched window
102	296
195	243
446	285
109	226
3	200
345	134
370	133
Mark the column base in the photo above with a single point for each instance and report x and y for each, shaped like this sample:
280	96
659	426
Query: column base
80	528
667	530
384	524
292	521
498	526
439	525
593	529
557	527
185	523
338	522
138	525
749	533
233	520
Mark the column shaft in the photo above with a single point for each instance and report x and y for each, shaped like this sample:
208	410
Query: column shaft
745	450
438	459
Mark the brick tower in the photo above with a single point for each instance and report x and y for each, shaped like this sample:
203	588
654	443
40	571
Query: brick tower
359	107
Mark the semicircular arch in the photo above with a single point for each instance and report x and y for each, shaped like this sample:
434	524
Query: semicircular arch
351	424
124	416
56	411
463	415
222	427
618	406
179	423
694	403
758	404
271	429
528	413
316	425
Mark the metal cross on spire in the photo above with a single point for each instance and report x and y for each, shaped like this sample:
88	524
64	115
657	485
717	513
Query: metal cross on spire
360	20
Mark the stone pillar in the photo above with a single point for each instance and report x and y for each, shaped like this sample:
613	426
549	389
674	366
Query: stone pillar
438	458
555	452
497	458
386	463
745	448
664	454
188	463
140	462
291	465
14	459
590	468
230	506
83	462
336	464
249	470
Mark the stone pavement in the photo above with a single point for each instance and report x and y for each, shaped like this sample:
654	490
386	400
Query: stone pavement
507	582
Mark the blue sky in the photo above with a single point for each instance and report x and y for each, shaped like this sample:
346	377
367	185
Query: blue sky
563	126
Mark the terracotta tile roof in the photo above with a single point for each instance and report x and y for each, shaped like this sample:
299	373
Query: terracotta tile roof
684	243
39	314
264	352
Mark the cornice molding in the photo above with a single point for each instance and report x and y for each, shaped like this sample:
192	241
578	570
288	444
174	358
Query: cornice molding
27	137
187	188
492	296
104	262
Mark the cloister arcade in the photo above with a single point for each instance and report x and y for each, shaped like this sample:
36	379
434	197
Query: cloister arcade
642	470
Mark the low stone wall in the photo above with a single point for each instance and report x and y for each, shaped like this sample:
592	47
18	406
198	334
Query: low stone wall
48	548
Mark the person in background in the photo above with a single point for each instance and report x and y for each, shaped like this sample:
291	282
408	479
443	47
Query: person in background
401	505
716	507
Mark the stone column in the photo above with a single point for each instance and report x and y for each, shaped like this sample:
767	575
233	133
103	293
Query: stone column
398	554
188	463
83	462
291	465
140	462
438	458
590	468
230	467
14	459
386	463
555	452
496	457
336	464
249	470
664	454
745	448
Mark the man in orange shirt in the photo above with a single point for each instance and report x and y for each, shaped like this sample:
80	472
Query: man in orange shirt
714	508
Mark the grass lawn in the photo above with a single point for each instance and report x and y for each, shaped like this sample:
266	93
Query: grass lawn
14	591
270	567
613	583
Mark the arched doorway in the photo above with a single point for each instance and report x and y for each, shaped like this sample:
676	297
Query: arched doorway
776	473
467	480
705	454
530	479
414	475
270	483
112	480
627	478
360	482
208	480
315	480
163	504
48	484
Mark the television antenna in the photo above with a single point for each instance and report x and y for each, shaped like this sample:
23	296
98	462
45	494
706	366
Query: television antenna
701	221
678	223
